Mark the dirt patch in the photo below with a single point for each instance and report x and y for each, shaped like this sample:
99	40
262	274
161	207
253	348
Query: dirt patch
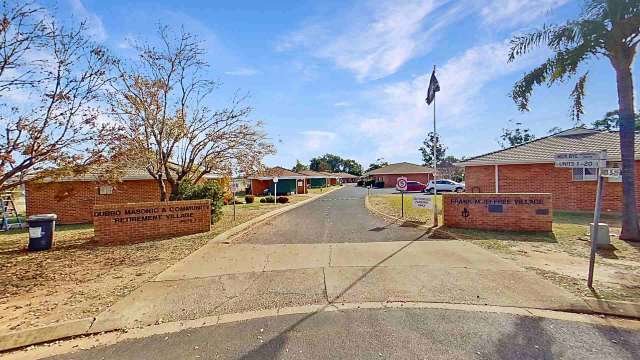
79	277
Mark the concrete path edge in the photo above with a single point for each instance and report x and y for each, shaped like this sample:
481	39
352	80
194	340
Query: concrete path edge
67	329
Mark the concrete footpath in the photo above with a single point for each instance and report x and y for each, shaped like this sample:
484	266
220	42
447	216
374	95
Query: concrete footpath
230	278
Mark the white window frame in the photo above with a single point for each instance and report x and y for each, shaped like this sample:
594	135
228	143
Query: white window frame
582	176
105	190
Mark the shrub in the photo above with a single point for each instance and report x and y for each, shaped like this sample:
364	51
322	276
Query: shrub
378	184
269	199
209	190
283	200
369	182
263	200
360	183
249	199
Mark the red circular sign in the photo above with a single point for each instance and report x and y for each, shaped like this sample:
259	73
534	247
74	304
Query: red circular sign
401	183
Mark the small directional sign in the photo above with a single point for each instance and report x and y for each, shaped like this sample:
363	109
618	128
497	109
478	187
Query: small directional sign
420	201
610	172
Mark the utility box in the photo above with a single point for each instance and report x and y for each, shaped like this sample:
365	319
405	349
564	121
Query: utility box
602	234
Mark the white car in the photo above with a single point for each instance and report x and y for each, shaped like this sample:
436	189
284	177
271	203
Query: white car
444	185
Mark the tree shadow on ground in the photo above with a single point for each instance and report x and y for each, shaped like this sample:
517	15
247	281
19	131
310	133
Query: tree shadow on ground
527	340
276	345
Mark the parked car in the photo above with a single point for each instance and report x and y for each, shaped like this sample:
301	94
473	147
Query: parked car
414	186
444	185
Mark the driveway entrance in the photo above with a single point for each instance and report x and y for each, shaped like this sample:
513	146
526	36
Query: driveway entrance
335	218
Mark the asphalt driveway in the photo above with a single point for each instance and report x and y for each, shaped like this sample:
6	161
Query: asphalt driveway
335	218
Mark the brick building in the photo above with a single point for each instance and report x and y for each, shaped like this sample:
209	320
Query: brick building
72	198
529	168
390	173
289	182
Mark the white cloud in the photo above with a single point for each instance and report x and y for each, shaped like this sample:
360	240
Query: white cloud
317	139
244	71
402	118
374	41
513	12
342	104
95	26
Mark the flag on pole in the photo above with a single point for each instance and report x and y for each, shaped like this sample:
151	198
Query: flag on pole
434	87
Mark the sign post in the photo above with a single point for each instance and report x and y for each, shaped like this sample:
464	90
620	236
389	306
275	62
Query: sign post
234	190
275	190
597	160
401	184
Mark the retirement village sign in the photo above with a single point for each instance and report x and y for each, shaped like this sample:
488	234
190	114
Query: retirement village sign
512	212
150	220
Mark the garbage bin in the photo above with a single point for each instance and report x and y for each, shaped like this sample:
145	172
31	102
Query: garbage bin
41	228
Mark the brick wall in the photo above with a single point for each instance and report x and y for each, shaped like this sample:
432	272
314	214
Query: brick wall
390	180
513	212
73	201
150	220
567	194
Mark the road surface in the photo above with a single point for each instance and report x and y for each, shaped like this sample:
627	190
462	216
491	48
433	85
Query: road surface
335	218
383	334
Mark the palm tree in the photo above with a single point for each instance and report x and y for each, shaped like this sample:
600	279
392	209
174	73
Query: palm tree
605	28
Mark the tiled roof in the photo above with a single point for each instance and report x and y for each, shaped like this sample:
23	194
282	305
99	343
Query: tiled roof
544	149
345	175
278	171
400	168
313	174
329	174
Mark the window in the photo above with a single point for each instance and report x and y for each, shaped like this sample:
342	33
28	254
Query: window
105	190
586	174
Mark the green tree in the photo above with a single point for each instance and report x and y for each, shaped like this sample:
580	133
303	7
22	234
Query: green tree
377	164
299	167
335	163
611	121
515	135
605	28
427	149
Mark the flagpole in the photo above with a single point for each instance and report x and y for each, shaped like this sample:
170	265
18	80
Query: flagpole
435	161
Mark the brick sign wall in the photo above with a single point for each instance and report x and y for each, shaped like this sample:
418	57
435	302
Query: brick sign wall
514	212
150	220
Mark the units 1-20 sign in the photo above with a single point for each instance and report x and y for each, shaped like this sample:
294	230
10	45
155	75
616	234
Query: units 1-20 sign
596	159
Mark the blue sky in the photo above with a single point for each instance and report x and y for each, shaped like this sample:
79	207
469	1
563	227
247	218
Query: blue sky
350	78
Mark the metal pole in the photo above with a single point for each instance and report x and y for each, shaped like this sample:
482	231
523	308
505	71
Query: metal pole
435	162
402	201
594	231
275	193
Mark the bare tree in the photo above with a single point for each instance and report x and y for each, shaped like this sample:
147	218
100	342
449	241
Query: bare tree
51	82
163	101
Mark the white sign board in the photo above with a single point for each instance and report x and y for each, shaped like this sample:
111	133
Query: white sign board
596	159
235	186
275	179
422	201
401	184
611	172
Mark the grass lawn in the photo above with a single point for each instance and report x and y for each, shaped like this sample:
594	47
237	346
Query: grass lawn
391	205
79	278
560	256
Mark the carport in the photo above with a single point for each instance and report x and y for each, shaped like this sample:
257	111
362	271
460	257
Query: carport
289	182
316	179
